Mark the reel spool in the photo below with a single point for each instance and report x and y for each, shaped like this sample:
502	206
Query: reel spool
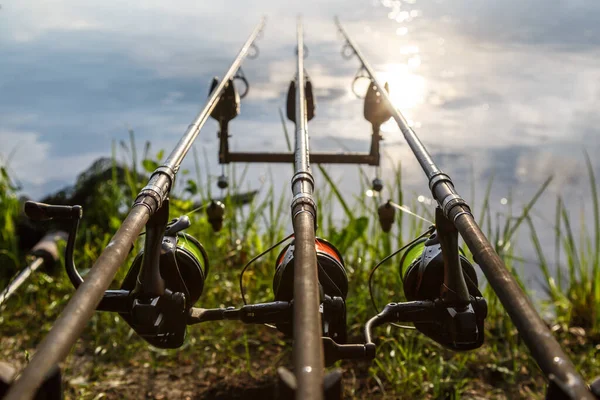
333	283
183	266
332	273
424	270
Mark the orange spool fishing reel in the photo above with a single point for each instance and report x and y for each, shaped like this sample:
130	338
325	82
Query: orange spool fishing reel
333	284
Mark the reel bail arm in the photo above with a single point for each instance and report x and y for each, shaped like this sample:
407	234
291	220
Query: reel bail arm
428	311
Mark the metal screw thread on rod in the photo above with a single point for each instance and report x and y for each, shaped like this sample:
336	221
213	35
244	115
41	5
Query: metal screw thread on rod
308	345
545	349
73	319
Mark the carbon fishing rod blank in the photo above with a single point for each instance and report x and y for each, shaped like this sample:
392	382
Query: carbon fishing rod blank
47	248
545	349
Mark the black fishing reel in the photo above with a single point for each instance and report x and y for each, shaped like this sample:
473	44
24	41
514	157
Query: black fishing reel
157	314
441	286
164	281
461	328
333	283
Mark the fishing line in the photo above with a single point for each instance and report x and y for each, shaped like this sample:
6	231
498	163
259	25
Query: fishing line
253	260
406	210
427	232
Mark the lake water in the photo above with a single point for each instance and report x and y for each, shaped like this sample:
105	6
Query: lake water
505	89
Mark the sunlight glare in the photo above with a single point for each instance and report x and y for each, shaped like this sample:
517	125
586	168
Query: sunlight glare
407	89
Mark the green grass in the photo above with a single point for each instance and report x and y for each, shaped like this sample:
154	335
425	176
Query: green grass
408	365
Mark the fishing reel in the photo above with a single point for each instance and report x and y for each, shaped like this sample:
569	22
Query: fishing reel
442	281
164	281
333	284
429	266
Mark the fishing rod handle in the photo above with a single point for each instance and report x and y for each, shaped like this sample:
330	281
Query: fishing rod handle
47	247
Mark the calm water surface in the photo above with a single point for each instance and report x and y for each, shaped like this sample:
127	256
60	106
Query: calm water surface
505	89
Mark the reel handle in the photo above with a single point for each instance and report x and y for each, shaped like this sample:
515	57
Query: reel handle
44	212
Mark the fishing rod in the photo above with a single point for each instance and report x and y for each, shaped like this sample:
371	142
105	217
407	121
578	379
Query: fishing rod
70	324
44	254
166	278
308	347
545	349
453	318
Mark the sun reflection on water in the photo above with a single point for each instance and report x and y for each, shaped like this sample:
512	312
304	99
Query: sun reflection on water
407	88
